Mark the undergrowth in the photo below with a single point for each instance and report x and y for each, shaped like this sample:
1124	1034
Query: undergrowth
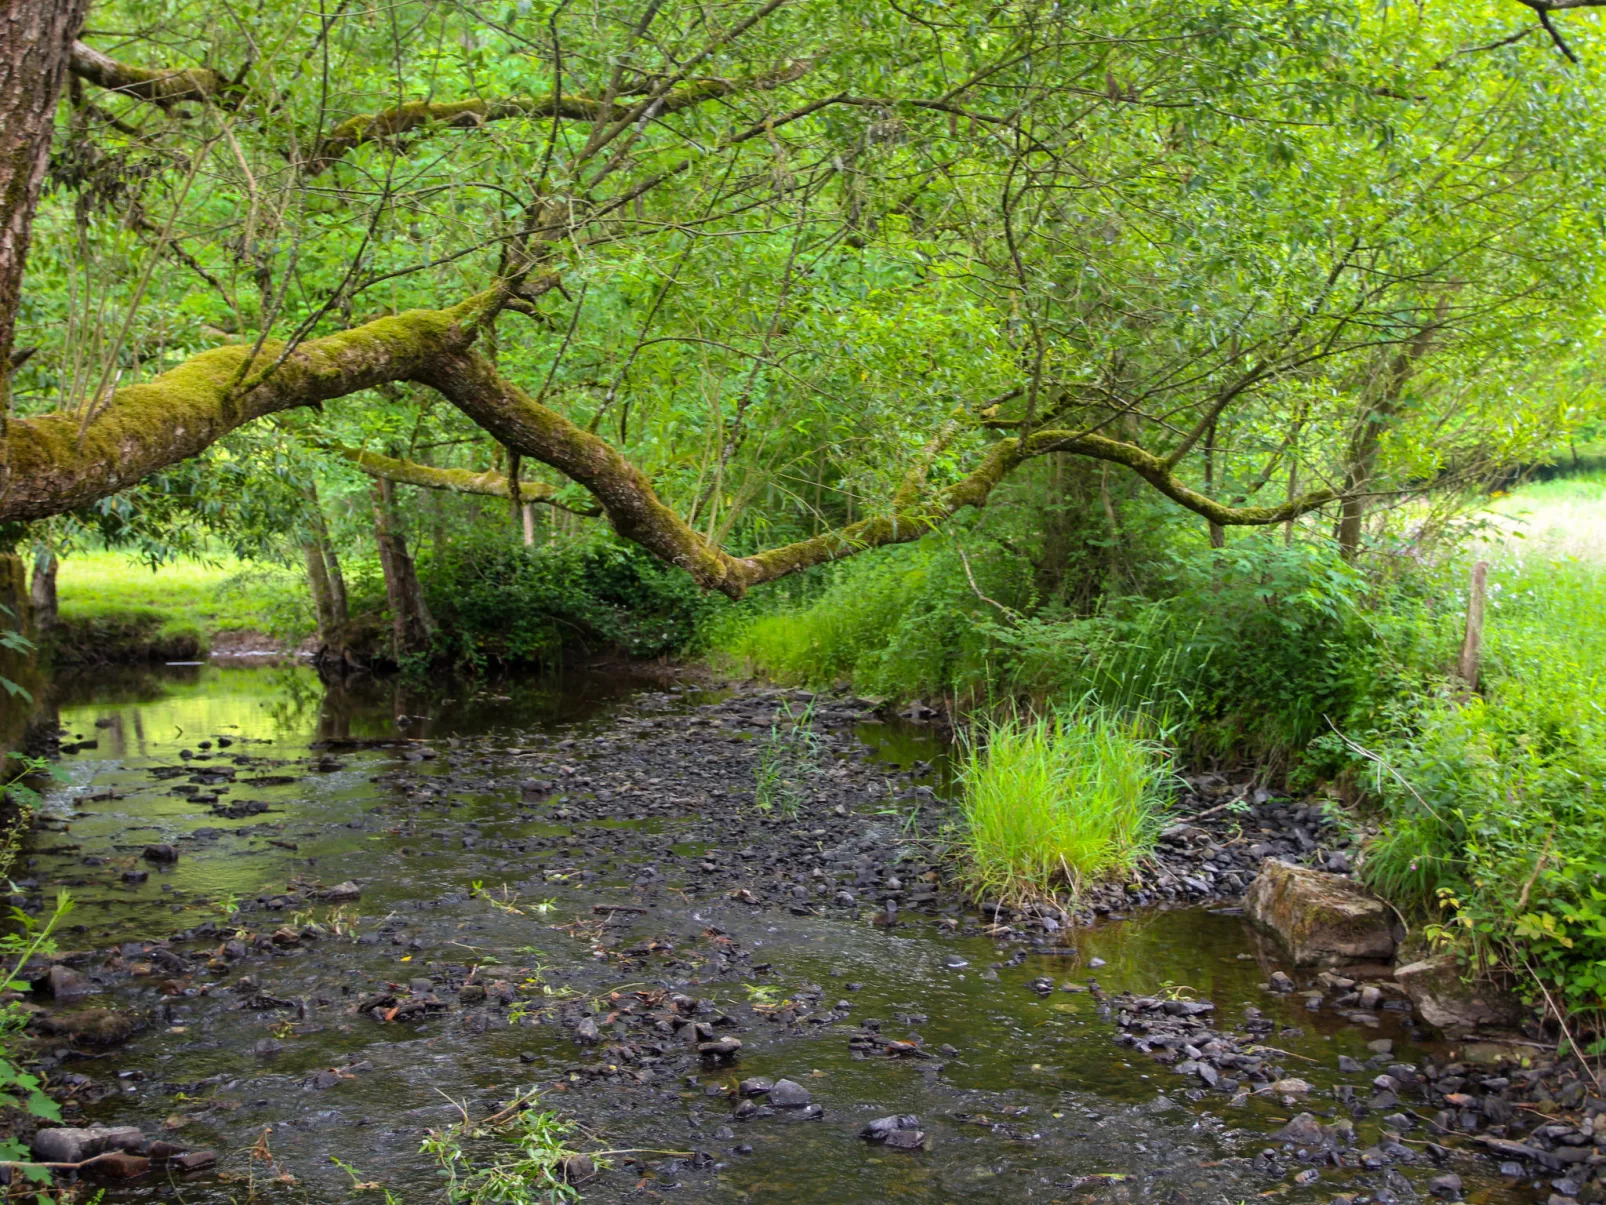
1494	807
504	603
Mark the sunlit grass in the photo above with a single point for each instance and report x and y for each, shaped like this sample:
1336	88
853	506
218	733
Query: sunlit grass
220	596
1055	804
1554	519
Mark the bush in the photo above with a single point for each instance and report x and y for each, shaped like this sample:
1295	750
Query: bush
1060	802
1495	807
1248	651
508	603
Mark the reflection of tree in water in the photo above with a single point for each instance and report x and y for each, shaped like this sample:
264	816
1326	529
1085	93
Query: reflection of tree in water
294	695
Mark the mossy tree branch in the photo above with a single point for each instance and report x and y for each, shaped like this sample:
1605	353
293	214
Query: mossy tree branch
499	406
470	114
489	484
160	86
59	462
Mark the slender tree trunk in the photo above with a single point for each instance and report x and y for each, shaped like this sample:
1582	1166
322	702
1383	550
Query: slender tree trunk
1470	661
323	606
35	48
327	584
42	590
1218	533
410	617
527	513
1380	406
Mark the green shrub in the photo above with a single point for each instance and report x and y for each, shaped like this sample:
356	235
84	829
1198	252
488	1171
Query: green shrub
1246	650
500	602
1495	807
1059	802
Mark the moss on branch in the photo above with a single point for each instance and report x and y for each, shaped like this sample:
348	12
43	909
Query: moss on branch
489	484
161	86
470	114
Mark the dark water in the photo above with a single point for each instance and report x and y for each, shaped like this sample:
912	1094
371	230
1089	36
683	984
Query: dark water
1038	1104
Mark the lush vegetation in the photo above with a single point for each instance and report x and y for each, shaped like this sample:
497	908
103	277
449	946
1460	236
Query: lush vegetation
1489	807
1494	807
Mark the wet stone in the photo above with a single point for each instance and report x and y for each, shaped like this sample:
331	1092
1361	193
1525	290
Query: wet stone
787	1094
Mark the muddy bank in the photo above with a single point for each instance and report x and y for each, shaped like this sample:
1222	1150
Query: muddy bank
569	886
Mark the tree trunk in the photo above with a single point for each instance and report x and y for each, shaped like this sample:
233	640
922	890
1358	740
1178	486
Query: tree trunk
323	603
527	513
1380	406
36	39
410	618
42	590
1217	533
1470	661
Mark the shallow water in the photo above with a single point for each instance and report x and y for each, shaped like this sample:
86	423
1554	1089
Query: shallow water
1037	1103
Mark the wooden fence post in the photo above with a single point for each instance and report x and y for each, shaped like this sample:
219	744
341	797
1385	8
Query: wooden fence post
1472	643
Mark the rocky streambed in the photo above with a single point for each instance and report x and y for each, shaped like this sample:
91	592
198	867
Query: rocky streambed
314	926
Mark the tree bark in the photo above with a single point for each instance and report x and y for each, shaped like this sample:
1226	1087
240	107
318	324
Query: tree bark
42	589
323	601
411	623
163	86
36	38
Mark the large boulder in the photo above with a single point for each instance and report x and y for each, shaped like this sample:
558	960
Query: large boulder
1325	920
1448	1001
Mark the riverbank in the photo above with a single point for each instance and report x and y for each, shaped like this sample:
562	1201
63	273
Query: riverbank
115	609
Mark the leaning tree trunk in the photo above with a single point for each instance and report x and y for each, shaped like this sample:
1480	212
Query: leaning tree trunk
412	624
42	590
36	39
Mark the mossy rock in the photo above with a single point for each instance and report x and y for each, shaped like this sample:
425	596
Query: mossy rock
1325	920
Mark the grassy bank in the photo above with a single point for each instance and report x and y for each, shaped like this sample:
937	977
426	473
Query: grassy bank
114	607
1494	806
1490	807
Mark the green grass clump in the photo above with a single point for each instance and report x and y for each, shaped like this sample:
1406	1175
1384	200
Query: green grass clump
1059	803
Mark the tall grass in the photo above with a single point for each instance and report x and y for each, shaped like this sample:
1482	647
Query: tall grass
1057	803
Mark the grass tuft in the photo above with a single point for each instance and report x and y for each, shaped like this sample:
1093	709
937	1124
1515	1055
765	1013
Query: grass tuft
1059	803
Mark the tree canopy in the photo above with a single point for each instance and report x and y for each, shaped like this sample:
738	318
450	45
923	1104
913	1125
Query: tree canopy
858	260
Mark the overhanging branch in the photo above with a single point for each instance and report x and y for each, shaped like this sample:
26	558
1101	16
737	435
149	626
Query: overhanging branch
51	467
470	114
489	484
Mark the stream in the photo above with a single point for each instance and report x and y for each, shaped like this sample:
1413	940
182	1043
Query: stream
560	880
